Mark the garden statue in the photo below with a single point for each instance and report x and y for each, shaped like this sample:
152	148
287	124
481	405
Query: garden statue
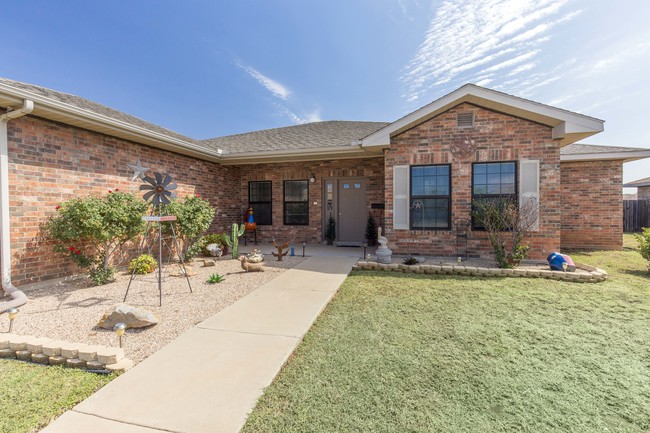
255	256
249	266
384	254
280	252
233	241
250	223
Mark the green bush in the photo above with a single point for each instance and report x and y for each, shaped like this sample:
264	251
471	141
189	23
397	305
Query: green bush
143	264
194	215
643	239
215	238
91	229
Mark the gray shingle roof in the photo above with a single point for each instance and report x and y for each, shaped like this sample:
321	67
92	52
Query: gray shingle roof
333	133
637	183
95	107
581	149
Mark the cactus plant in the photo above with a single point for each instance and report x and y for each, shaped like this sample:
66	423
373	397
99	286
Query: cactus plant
233	241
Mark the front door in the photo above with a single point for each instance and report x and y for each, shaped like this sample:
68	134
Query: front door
352	210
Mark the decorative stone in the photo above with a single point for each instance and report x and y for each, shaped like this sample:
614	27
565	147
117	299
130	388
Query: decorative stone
184	271
18	342
4	340
214	250
7	353
94	365
57	360
122	365
24	355
208	263
89	353
36	345
70	350
110	355
52	348
75	363
131	316
255	256
39	358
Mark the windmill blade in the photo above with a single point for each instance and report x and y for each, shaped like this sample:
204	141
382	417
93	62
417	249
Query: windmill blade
147	187
150	180
168	179
164	199
172	186
158	178
148	195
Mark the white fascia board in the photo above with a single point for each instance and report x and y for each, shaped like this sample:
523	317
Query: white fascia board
73	112
565	121
607	156
269	156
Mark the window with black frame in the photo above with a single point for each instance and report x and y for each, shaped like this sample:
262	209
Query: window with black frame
430	197
492	181
296	202
260	198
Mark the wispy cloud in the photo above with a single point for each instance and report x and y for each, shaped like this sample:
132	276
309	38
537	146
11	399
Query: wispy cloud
277	89
481	41
283	95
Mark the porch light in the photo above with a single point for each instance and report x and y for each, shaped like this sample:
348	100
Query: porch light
120	329
12	313
312	178
364	245
304	244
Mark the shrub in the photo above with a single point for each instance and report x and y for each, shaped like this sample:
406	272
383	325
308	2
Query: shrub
91	229
330	233
215	278
371	230
215	238
643	239
194	215
410	261
143	264
507	224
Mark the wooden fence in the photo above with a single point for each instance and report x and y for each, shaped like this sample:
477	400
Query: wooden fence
635	215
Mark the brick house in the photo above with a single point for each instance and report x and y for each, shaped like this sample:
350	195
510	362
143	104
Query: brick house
417	176
642	188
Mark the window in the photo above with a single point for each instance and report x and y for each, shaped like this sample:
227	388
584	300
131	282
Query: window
296	202
430	197
493	181
260	197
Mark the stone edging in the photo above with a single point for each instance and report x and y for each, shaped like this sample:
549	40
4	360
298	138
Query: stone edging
53	352
593	275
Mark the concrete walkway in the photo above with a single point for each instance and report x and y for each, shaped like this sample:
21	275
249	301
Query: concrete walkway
210	377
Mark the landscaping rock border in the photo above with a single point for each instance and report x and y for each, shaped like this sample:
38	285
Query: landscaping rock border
54	352
590	275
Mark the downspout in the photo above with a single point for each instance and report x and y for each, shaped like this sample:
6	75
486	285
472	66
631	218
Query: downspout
18	298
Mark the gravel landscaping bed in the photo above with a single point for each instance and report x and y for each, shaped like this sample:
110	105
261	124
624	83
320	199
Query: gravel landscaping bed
70	311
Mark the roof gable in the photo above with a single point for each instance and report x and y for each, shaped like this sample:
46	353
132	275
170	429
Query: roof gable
568	126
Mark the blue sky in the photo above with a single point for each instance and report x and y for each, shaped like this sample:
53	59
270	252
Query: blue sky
207	68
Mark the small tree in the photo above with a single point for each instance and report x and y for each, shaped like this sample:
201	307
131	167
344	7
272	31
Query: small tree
91	229
643	239
194	215
371	230
507	224
330	233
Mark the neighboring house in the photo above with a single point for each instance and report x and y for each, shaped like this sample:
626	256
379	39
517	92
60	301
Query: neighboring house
417	176
642	188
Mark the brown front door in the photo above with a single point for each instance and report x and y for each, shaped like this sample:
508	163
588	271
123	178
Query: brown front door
352	210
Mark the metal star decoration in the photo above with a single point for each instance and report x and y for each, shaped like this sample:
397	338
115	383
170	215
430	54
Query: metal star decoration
417	204
138	170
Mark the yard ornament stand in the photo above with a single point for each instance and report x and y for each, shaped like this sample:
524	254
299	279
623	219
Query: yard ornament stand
159	191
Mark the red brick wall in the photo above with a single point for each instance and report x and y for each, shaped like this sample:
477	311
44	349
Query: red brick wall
497	137
370	168
50	163
592	206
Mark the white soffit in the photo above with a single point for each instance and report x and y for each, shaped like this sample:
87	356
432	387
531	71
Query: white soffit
568	126
625	156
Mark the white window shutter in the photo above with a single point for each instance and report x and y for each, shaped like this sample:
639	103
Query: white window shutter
401	197
529	190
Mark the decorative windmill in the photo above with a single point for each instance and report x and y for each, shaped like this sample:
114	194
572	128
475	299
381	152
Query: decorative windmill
159	192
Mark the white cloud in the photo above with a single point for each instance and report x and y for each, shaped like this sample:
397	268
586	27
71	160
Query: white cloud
476	39
277	89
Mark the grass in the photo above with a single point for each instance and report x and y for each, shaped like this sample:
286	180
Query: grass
413	353
32	395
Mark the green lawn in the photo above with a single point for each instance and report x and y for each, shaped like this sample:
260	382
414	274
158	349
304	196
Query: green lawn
31	395
413	353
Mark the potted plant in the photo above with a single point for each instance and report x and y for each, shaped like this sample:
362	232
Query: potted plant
371	231
330	233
